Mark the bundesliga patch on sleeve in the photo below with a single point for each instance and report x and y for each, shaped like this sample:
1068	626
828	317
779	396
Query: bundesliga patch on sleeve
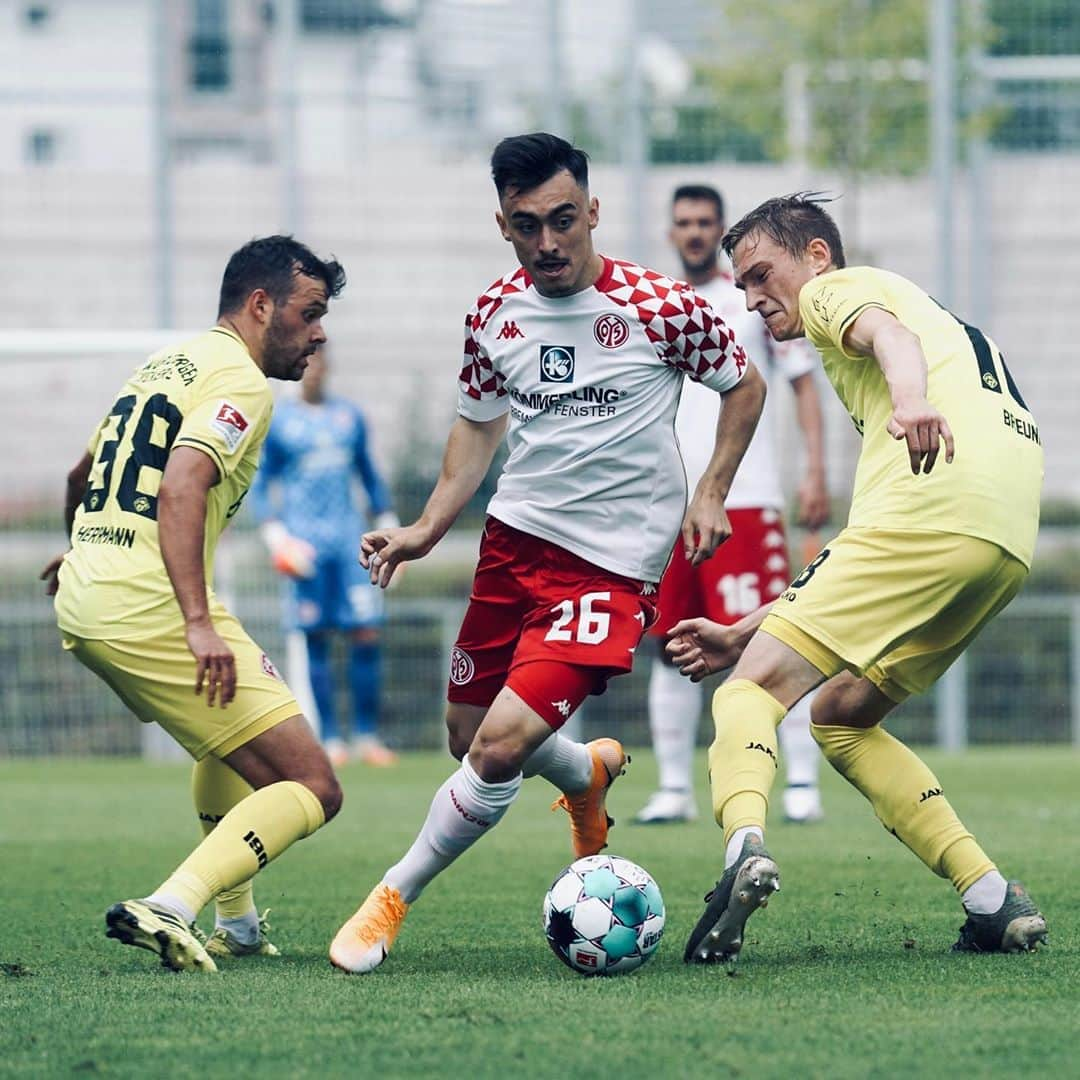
229	424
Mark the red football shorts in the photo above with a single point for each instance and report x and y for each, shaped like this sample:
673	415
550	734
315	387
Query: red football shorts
536	605
749	569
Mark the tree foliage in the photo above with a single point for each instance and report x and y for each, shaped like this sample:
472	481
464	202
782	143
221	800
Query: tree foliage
861	63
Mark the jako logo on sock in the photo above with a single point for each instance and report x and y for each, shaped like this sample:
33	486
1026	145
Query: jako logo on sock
930	794
472	818
256	845
763	748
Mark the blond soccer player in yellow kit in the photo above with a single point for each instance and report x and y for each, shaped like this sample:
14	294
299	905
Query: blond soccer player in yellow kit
162	475
928	557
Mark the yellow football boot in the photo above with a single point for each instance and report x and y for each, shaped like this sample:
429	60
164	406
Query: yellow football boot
147	926
224	943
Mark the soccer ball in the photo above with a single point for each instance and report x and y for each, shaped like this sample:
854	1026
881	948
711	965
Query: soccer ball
603	915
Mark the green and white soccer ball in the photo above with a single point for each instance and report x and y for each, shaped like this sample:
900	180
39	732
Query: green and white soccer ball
603	915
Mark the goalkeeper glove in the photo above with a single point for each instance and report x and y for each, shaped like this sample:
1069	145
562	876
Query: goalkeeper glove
288	554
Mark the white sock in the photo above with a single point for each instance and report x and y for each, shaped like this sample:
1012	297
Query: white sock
674	712
562	762
245	928
171	903
986	895
734	845
463	809
574	728
798	750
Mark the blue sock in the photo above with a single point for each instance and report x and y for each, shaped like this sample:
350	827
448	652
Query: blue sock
322	682
365	682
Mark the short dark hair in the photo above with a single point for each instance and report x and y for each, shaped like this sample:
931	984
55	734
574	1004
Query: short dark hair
525	162
272	263
705	192
792	221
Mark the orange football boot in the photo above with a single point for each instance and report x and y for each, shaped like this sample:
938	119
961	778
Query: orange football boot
589	821
362	943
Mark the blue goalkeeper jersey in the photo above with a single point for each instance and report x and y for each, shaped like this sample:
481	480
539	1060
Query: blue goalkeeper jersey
312	458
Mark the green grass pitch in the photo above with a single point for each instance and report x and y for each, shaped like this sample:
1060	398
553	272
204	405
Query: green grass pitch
848	972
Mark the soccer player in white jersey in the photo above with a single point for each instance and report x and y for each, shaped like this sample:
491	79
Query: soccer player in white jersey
752	567
579	360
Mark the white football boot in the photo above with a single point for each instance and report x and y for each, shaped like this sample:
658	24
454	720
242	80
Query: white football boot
802	804
667	807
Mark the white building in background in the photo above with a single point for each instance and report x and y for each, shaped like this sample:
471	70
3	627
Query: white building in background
92	84
75	84
85	84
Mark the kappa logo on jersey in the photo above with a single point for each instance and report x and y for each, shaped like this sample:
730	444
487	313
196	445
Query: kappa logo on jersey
611	331
509	331
230	423
462	668
556	363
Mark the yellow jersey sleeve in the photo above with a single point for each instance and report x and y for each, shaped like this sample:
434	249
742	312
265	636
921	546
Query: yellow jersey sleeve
991	489
232	406
829	304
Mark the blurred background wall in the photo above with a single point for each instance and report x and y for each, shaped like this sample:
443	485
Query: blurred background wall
142	141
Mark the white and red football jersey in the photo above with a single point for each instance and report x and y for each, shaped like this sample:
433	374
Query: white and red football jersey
757	480
592	382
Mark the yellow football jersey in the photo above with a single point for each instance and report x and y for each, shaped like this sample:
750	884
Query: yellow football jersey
992	488
206	393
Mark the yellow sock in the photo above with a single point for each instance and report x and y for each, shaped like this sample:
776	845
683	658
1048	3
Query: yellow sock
907	798
255	831
742	758
215	790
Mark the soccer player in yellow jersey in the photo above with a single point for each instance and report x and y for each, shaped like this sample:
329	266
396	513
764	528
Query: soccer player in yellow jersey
940	538
161	476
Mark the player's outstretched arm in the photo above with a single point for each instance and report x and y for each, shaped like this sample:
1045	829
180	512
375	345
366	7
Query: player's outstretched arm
899	354
701	647
77	480
189	475
706	526
470	448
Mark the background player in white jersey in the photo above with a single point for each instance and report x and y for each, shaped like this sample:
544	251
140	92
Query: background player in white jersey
579	359
315	458
752	567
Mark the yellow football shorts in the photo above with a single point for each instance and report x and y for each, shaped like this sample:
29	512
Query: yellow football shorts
895	605
155	679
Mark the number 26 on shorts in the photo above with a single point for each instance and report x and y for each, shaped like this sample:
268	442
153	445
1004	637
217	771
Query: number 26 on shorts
592	626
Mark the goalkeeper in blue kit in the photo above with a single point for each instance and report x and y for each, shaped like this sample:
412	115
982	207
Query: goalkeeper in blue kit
315	458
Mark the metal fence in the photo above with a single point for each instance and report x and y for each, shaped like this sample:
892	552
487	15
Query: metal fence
141	141
1019	682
